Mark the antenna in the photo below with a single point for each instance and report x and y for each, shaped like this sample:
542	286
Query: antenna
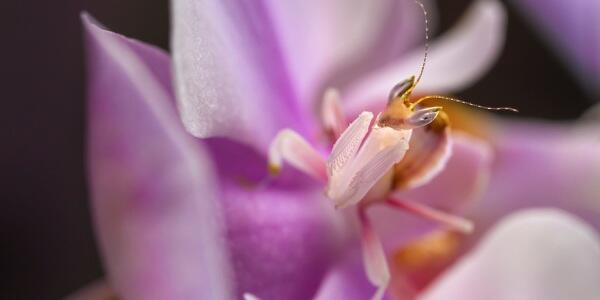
426	41
464	102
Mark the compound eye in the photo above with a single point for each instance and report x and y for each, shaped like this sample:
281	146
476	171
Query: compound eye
423	117
402	89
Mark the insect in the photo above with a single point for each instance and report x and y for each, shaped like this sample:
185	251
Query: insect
407	144
403	113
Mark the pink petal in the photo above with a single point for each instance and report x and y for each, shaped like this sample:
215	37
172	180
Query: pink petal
342	38
534	254
152	188
347	280
283	234
230	74
456	60
542	164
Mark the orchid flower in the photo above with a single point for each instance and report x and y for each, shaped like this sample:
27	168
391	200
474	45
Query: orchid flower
573	29
185	218
179	217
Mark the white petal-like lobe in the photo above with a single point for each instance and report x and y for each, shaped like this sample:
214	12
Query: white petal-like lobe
534	254
230	76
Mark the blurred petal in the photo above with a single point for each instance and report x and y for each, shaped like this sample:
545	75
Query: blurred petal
230	72
573	27
347	280
429	150
153	193
417	264
460	183
342	38
283	234
535	254
456	60
543	164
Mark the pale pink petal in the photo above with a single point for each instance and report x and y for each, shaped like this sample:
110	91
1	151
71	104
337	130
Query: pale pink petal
535	254
543	164
347	279
230	74
290	147
329	41
456	60
152	188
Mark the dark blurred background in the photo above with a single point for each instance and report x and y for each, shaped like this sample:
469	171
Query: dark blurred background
48	247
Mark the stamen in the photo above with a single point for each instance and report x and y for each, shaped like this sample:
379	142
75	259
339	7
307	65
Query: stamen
461	224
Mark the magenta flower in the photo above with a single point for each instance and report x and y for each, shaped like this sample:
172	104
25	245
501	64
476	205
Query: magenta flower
185	218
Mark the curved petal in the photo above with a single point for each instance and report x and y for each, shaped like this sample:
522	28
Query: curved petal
453	190
282	233
535	254
230	74
542	164
152	188
457	59
342	37
347	280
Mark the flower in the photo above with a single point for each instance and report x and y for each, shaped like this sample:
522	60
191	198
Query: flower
180	218
172	211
